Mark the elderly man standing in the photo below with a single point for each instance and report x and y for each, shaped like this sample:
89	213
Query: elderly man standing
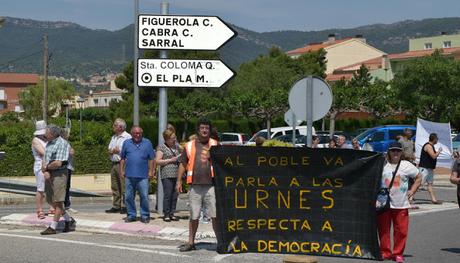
55	172
137	165
117	183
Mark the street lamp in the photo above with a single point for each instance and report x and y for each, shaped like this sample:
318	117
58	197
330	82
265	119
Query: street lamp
80	101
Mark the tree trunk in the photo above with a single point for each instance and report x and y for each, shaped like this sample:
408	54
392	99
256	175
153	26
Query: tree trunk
323	124
332	124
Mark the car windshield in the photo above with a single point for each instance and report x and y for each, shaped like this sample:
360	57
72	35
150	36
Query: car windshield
457	138
363	135
261	134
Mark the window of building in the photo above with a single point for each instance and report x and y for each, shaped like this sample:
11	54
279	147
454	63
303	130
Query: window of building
96	102
447	44
2	94
428	46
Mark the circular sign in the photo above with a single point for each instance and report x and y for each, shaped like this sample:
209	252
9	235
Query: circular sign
322	98
289	118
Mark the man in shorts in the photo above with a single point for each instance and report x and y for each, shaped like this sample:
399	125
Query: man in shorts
200	176
428	160
55	173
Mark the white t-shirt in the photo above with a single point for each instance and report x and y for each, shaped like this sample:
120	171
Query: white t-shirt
398	191
117	141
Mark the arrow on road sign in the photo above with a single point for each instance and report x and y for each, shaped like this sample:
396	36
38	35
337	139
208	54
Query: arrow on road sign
182	73
183	32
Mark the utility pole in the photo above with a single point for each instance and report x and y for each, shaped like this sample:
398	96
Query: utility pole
45	79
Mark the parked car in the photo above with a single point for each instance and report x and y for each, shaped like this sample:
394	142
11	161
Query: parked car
358	132
278	131
380	137
456	143
233	138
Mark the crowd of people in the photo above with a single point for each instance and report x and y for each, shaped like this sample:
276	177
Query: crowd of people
135	161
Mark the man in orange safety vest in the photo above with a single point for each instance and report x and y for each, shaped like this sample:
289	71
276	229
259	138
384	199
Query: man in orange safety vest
196	162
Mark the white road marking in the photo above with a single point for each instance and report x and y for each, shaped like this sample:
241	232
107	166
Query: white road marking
434	210
148	246
96	244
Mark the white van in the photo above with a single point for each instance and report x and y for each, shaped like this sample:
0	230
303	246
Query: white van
278	131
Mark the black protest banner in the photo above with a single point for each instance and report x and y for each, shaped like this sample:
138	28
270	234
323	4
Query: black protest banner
297	200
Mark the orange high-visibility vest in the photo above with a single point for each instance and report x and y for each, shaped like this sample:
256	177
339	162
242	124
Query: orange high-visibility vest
190	148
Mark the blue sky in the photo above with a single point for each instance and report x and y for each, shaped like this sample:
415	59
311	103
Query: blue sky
257	15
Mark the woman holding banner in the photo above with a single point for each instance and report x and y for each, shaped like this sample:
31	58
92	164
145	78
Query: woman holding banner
398	213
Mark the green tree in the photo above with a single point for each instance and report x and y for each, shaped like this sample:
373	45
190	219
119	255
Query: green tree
32	97
429	87
261	86
197	103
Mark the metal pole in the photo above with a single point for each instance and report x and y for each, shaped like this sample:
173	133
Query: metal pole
294	122
80	123
45	79
136	57
162	117
309	110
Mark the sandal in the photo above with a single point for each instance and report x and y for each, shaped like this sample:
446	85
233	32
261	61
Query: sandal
41	214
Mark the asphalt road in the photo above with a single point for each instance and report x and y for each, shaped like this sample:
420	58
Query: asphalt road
433	237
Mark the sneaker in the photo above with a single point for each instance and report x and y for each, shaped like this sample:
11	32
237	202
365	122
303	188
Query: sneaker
113	210
174	218
48	231
71	210
187	247
130	220
399	259
166	219
123	210
70	225
145	220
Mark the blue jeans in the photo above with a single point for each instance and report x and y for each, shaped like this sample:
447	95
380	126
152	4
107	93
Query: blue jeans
142	186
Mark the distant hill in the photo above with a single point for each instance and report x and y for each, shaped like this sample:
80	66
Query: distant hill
80	51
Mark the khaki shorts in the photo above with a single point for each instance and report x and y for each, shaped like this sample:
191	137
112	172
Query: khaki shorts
202	196
427	175
55	188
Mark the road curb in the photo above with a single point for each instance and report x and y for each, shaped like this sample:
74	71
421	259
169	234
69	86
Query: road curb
111	227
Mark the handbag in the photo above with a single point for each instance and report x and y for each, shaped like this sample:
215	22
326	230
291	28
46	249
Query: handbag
383	196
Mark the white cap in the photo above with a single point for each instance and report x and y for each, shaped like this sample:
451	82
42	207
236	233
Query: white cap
40	128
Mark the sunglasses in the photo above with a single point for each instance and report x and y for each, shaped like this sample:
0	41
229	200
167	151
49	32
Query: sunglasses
395	150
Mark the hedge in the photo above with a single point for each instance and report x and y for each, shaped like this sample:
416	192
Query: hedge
91	152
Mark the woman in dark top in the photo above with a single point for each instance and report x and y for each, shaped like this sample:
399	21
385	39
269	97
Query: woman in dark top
168	159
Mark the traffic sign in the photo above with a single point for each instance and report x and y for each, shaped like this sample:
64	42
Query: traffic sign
167	32
182	73
291	119
322	98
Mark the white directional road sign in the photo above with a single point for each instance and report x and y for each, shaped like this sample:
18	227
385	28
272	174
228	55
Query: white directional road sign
182	32
182	73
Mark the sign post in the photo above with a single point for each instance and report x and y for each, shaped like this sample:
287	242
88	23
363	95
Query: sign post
164	32
310	99
162	117
291	119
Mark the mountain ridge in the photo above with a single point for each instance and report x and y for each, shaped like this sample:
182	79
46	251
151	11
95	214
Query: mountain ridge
77	51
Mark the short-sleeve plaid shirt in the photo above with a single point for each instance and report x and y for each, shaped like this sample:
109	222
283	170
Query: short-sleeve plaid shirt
57	150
